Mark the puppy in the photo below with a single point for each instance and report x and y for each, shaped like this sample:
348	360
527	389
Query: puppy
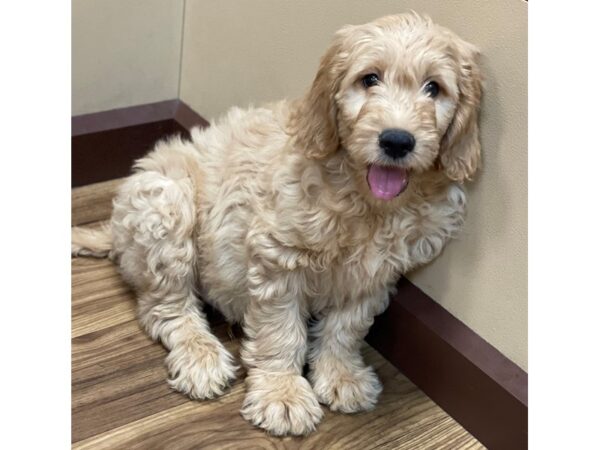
308	207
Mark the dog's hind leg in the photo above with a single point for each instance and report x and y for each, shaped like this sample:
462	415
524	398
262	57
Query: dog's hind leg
198	364
152	227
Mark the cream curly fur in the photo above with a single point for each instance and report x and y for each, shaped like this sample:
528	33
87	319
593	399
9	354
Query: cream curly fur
267	215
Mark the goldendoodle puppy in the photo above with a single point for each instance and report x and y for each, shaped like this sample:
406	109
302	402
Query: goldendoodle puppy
307	207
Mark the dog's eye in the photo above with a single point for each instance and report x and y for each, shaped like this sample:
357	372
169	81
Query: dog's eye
432	89
370	80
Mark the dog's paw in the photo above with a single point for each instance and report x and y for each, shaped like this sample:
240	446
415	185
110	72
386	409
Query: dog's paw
281	403
200	370
346	391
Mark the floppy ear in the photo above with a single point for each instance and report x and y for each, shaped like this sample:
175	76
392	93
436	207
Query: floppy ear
314	123
460	148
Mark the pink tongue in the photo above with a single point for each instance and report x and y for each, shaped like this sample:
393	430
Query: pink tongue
387	182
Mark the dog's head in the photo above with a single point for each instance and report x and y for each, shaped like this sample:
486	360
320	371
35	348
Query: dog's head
400	95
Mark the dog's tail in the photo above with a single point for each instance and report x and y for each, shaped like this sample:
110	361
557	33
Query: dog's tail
91	242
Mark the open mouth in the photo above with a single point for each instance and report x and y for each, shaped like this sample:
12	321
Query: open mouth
387	182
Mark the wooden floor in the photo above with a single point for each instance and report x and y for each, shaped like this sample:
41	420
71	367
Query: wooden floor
120	399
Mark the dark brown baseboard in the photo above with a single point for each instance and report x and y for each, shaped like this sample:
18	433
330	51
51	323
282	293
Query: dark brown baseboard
471	380
456	368
105	144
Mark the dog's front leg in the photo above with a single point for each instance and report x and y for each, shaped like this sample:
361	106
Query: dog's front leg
278	398
338	374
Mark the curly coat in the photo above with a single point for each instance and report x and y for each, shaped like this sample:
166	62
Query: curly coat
268	216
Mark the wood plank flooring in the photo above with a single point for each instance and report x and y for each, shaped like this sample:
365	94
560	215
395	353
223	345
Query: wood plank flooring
120	399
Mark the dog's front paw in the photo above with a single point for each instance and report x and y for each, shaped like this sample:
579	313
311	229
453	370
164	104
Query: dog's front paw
346	391
201	370
281	403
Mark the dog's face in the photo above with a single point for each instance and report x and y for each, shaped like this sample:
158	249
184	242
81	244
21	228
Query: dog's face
400	95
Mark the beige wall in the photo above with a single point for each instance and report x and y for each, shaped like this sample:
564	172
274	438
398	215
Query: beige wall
482	277
242	52
124	52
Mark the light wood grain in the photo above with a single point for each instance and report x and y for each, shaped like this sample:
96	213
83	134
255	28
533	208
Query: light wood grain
120	398
93	202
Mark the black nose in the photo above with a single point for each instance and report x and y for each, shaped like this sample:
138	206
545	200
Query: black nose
396	143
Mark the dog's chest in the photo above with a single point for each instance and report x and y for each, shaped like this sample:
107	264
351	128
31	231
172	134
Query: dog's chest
397	244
